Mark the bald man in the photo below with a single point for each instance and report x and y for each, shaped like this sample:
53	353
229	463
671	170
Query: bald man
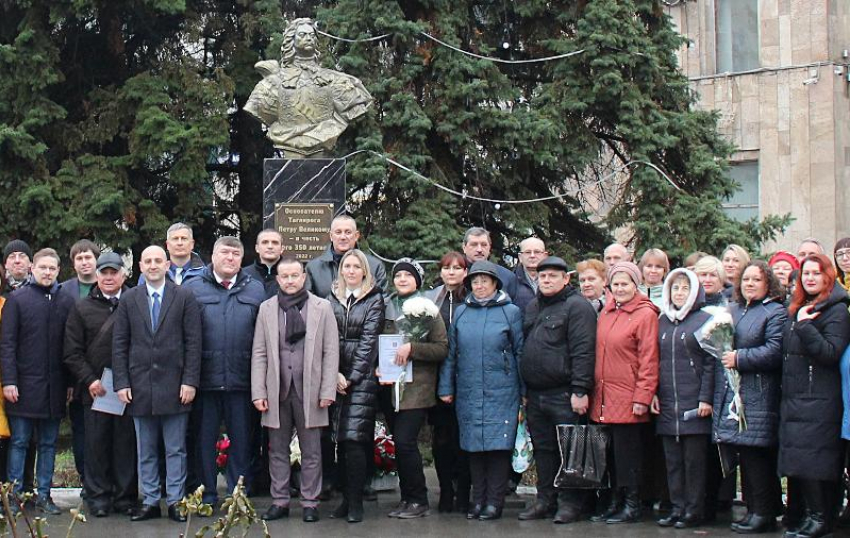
156	361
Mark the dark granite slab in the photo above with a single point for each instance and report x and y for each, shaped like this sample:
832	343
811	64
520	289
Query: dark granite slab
302	181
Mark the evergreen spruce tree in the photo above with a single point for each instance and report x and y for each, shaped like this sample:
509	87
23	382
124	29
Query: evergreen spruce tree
119	117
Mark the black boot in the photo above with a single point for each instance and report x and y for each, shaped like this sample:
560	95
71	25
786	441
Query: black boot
630	513
613	506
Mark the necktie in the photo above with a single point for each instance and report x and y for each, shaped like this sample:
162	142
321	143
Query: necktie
178	276
113	301
226	284
155	311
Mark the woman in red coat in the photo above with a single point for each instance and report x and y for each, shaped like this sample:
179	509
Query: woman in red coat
626	377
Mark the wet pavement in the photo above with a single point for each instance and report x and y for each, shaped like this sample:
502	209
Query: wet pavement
377	525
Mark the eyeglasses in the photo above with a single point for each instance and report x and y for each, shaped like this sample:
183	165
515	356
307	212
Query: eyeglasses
844	253
533	252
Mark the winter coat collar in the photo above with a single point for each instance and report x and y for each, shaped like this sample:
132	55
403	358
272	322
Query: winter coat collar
639	302
501	298
836	296
695	301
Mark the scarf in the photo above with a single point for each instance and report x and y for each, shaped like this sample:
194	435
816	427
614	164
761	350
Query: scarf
291	305
559	297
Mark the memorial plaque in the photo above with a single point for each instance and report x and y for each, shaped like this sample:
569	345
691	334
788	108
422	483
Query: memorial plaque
304	228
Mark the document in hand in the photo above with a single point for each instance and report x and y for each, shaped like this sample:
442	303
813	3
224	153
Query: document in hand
108	403
388	345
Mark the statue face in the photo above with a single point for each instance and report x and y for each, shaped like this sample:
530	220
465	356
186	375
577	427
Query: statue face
305	39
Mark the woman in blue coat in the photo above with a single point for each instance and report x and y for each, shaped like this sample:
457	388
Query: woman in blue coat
757	356
482	374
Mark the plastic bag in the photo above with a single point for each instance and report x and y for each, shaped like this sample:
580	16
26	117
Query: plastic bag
523	451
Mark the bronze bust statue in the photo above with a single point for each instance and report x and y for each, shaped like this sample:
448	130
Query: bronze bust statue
304	106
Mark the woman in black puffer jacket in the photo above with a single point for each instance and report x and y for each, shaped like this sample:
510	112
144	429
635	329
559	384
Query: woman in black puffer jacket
359	309
757	356
685	383
810	453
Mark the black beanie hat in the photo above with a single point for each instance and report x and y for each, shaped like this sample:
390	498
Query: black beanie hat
412	267
16	245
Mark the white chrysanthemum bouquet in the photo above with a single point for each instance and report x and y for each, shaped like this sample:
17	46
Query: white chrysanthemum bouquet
717	337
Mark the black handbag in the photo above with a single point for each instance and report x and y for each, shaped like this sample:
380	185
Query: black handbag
584	456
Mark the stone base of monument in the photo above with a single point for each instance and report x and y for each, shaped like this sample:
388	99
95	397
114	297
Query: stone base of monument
300	198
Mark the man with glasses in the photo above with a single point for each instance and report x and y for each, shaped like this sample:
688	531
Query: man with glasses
531	253
17	261
322	271
34	384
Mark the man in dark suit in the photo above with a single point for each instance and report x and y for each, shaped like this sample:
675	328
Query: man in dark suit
156	361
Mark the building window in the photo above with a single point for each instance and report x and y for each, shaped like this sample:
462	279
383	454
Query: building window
737	35
744	204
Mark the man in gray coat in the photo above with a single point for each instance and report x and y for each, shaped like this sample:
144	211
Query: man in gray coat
156	363
294	367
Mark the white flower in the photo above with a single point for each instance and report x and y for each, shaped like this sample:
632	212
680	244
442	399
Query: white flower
420	306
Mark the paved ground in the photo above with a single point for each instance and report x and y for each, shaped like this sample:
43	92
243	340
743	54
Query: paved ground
377	525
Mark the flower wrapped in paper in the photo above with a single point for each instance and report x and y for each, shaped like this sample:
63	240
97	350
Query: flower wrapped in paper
717	336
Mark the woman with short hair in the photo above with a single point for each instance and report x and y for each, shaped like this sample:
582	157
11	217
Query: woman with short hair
481	375
592	279
450	462
712	277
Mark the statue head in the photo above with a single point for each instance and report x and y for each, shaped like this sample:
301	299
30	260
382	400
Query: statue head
299	40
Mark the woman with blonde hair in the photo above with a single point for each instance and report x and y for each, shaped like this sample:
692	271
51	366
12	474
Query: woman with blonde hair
712	276
654	266
734	259
358	306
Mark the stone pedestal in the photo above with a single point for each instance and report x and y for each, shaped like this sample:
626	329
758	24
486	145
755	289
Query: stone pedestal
300	198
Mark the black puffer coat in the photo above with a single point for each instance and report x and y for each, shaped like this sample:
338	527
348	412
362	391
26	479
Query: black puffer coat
686	371
810	428
359	326
758	340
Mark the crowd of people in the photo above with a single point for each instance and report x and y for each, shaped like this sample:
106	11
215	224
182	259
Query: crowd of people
150	375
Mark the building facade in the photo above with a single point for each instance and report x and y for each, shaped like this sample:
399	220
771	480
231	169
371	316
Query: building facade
777	73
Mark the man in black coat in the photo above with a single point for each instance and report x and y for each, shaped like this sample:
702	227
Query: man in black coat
84	254
557	367
322	271
156	361
110	448
229	301
269	248
34	386
17	261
